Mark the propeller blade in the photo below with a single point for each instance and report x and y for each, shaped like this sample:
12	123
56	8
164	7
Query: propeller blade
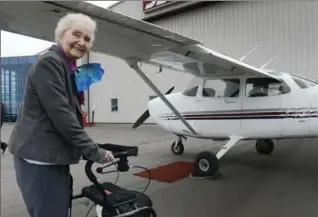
169	91
146	114
141	119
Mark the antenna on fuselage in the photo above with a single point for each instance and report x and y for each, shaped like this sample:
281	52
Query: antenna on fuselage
269	61
251	51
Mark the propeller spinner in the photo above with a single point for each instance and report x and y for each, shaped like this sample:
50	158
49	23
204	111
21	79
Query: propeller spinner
146	114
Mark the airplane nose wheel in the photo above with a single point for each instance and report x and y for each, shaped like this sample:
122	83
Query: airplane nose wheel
177	147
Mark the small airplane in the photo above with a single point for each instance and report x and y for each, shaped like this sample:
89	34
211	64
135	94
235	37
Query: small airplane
226	100
230	100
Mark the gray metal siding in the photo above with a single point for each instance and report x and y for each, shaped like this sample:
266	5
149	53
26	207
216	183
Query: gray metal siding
232	28
129	8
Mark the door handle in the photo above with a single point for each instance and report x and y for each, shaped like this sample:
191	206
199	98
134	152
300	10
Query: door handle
229	101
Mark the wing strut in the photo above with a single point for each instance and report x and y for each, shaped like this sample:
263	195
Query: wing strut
135	66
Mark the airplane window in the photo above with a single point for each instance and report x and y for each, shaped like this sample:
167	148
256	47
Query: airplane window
262	87
191	91
221	88
303	83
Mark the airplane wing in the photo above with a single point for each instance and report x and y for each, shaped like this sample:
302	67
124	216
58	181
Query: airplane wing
117	34
203	62
122	36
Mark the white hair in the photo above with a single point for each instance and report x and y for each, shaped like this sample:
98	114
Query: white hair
68	20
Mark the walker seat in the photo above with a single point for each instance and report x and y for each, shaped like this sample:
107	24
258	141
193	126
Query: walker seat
116	196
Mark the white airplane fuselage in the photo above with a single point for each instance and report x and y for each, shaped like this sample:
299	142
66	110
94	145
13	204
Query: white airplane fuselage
291	114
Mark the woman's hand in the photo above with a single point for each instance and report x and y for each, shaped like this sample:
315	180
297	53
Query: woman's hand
105	156
109	157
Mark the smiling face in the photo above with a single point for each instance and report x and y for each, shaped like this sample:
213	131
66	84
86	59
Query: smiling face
76	41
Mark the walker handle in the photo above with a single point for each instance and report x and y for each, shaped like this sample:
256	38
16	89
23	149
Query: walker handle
119	151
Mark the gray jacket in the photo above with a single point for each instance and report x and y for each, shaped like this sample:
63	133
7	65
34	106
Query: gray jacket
49	126
2	112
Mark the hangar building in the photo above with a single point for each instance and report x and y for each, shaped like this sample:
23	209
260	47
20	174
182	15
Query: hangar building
287	28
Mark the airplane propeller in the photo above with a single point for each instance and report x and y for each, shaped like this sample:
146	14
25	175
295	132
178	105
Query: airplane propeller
146	114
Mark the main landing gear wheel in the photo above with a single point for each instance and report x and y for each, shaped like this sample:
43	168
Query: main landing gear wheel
206	164
264	147
177	147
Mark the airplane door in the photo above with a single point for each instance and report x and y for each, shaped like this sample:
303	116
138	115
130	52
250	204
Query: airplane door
301	106
313	119
261	107
295	122
217	103
295	105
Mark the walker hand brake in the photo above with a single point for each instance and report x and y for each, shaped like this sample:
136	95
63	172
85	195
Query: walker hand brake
119	151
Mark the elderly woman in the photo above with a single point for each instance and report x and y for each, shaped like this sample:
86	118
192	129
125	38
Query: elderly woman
49	135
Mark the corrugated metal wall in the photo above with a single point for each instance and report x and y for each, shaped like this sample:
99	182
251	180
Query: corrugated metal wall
130	8
232	28
285	27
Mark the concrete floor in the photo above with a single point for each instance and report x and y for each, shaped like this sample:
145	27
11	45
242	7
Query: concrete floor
280	185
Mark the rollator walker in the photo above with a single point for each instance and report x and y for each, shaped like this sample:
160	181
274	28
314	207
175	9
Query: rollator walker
109	199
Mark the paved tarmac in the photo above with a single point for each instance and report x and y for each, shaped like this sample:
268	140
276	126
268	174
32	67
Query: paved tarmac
281	185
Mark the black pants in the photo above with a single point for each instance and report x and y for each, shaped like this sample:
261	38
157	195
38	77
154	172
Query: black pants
45	188
3	144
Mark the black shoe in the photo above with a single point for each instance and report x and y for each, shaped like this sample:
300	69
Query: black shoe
3	146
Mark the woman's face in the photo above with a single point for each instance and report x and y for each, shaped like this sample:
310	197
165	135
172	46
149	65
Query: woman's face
76	41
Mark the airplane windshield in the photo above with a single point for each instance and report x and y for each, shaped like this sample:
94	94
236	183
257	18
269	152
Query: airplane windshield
303	83
192	88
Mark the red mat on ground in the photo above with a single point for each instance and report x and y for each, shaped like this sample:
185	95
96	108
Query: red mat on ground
170	172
